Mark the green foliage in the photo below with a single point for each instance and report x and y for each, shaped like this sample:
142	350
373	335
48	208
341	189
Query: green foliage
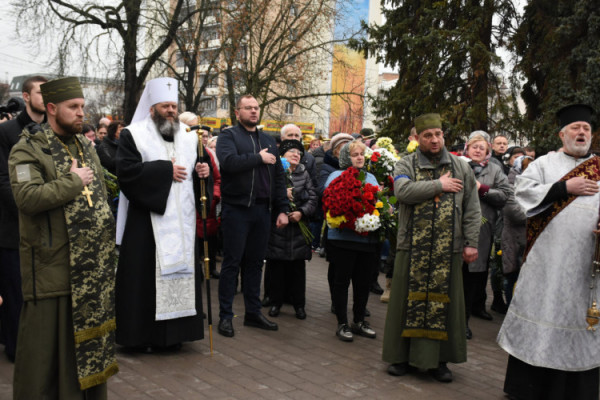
445	53
558	45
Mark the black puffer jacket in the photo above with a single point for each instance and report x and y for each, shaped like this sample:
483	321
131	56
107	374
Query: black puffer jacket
288	243
330	164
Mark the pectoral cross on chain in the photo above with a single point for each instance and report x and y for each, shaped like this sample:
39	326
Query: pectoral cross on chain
87	192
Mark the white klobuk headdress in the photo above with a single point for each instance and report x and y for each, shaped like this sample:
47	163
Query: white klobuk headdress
156	91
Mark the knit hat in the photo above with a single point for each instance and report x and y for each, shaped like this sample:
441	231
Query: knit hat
59	90
340	138
287	145
344	158
428	121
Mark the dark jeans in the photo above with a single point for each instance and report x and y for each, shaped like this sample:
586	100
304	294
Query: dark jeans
288	277
245	238
10	290
356	266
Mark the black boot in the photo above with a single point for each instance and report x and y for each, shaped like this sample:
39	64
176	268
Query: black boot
498	303
375	288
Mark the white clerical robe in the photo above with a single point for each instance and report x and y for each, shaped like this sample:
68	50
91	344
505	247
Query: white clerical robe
545	325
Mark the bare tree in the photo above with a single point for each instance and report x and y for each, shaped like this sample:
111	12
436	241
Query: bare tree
117	38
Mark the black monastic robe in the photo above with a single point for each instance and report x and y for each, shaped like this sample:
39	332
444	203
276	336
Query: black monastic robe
147	186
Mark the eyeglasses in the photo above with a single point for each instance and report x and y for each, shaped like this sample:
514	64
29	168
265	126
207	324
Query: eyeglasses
294	151
249	108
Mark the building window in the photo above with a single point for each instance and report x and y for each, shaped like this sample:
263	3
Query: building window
208	56
179	60
289	108
210	34
291	60
293	36
209	104
224	103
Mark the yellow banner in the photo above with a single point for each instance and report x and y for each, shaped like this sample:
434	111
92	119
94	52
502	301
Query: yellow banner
269	125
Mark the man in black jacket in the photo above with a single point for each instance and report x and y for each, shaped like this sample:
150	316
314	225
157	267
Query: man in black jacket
10	274
252	183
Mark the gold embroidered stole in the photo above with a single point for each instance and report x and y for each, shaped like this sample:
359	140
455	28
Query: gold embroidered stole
589	169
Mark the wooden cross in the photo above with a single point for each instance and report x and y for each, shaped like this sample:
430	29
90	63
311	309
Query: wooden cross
87	192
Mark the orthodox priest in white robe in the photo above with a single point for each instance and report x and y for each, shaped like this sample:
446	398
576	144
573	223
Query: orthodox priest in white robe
552	353
158	287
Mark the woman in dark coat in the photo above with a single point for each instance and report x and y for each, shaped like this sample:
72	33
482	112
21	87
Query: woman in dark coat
513	234
107	149
493	190
288	248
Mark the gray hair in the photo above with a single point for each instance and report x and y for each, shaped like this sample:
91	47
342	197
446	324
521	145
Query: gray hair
286	127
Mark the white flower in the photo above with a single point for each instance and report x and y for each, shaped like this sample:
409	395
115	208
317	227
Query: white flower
367	223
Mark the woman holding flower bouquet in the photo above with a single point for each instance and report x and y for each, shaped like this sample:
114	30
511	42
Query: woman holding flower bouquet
289	247
349	202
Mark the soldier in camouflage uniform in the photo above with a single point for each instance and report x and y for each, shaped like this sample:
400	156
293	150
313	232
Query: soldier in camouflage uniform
438	227
66	335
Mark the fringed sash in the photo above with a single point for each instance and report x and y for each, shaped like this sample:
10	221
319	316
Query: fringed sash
432	235
589	169
93	262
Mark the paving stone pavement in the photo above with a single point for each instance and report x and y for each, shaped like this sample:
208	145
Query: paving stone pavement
303	360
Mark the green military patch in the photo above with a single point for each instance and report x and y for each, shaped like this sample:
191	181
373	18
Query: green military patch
432	236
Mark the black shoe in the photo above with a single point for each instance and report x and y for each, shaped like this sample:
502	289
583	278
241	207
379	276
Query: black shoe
214	274
225	327
363	329
469	333
344	333
300	313
441	373
259	321
483	315
367	312
499	306
400	369
274	311
375	288
266	302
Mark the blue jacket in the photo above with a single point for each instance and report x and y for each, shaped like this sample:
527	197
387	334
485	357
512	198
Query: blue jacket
238	154
347	234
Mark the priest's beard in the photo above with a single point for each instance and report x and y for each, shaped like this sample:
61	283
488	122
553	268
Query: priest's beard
574	148
165	127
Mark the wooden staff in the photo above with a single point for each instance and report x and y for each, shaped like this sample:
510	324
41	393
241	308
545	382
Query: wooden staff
204	200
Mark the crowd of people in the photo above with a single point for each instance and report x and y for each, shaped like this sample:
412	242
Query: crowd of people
102	232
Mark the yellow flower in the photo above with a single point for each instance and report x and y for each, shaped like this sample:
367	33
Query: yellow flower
499	252
412	146
335	222
379	204
376	213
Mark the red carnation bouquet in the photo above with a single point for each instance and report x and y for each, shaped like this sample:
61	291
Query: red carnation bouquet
351	203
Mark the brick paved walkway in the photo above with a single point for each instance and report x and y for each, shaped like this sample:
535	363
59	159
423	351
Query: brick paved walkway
303	360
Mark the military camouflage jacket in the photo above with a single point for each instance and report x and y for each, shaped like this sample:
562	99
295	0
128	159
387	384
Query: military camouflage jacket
40	196
467	215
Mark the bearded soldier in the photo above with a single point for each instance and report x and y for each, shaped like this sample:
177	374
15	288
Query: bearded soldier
66	333
438	228
158	292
